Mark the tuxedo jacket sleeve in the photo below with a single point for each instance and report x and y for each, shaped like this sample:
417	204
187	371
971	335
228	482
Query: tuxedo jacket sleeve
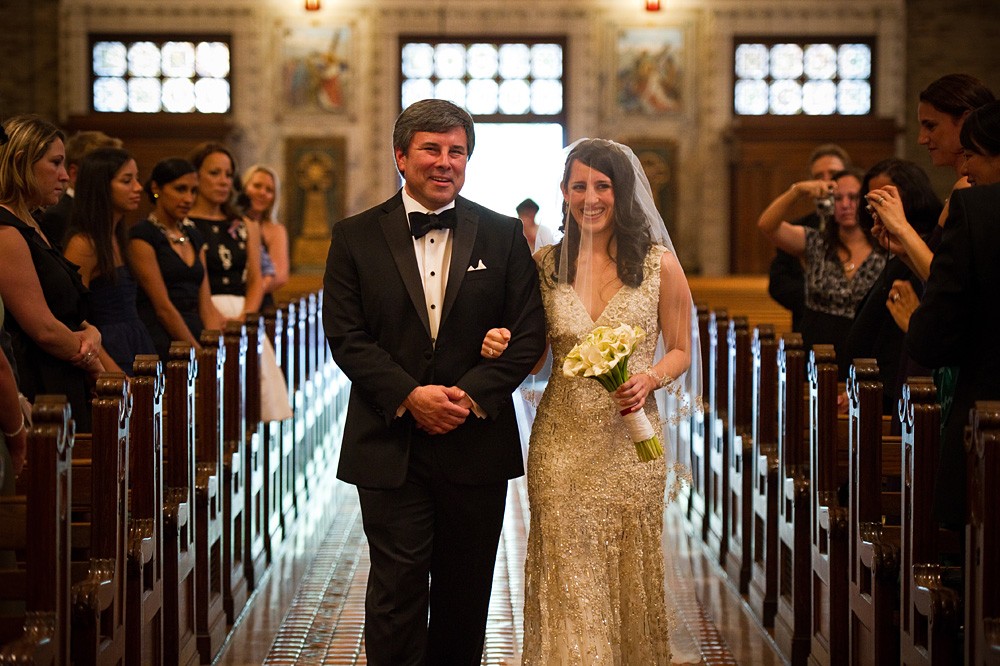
376	323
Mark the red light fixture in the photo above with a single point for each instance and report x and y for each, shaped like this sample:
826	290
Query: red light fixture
312	5
652	5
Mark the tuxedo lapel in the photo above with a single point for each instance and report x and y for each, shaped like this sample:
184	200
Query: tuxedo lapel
463	239
397	235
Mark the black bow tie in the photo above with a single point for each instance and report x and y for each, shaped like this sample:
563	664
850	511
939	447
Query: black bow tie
421	223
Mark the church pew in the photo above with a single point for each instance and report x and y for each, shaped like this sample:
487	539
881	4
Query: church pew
874	522
100	490
316	452
210	617
287	360
255	508
763	591
297	350
740	435
180	647
717	437
792	618
697	512
144	588
929	611
36	523
274	325
982	556
234	472
829	528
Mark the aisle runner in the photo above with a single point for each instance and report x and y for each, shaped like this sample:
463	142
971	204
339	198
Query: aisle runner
325	622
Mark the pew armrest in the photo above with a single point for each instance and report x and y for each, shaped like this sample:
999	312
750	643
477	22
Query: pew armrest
930	595
176	510
37	645
96	592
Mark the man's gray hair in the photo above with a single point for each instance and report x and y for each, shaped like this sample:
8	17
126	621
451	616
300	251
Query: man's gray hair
431	115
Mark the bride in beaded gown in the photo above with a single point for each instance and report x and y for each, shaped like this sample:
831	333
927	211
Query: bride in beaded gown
594	575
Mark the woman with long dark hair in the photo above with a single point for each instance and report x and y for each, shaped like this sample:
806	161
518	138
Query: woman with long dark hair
167	256
840	262
879	328
107	189
596	508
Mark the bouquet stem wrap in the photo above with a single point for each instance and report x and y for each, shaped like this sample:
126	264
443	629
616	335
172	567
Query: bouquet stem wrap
603	355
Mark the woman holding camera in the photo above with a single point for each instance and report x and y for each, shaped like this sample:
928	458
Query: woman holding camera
840	262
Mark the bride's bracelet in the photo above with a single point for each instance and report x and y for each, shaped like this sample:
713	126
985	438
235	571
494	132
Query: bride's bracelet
661	380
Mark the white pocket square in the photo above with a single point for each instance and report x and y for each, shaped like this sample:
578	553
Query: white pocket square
478	267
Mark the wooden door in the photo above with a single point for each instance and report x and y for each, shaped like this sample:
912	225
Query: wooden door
769	154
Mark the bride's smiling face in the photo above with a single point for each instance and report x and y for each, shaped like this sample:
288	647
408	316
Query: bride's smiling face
590	196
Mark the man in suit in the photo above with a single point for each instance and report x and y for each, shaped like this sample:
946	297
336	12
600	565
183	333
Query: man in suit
430	438
55	218
956	324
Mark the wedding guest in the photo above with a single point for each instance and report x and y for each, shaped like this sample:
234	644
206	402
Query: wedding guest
260	183
55	349
786	281
233	262
955	326
943	108
108	188
537	235
167	255
55	220
876	333
13	425
841	262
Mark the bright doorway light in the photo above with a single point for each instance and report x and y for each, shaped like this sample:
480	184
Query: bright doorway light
514	161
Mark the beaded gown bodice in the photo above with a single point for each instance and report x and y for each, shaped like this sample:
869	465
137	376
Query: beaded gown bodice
594	571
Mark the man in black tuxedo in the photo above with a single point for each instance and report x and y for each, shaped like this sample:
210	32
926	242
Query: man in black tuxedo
956	324
430	438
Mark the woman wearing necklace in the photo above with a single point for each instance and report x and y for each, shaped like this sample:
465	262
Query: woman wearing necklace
233	245
53	348
233	262
107	188
841	261
167	256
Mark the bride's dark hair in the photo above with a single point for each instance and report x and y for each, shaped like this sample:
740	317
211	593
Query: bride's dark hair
631	230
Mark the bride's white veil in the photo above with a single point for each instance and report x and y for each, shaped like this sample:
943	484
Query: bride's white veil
637	224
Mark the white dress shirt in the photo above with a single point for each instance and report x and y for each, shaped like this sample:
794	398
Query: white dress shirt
433	252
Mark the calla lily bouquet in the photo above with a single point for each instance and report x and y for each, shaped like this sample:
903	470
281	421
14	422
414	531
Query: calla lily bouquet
603	355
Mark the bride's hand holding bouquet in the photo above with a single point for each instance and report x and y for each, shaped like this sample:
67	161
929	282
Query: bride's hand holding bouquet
603	356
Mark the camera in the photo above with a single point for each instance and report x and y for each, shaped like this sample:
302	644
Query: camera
825	206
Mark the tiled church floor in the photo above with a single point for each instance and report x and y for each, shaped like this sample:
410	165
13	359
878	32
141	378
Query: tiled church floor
310	609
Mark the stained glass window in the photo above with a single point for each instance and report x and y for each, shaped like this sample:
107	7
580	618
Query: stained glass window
505	79
802	78
160	76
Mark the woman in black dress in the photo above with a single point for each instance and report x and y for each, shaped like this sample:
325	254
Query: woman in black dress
54	349
167	256
232	255
107	188
233	261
